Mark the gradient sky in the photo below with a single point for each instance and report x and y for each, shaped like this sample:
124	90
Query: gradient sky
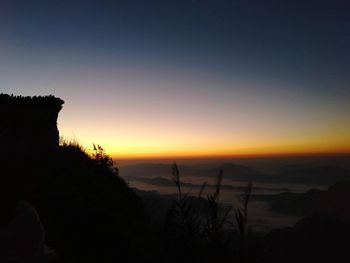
186	78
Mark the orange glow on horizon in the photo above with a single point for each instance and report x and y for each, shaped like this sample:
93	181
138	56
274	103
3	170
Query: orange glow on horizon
187	153
223	156
178	145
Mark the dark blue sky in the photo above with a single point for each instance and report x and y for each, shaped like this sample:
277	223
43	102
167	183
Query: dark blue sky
306	38
296	53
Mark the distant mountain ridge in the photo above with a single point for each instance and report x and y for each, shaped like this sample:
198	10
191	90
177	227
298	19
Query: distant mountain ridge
334	202
164	182
155	170
314	174
297	174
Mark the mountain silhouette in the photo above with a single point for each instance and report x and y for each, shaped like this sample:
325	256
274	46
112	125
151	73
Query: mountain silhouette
297	174
317	238
308	174
334	202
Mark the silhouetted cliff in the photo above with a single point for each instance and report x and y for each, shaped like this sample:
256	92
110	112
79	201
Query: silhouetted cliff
28	125
28	138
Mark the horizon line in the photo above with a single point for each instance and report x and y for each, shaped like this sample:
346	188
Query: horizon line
230	156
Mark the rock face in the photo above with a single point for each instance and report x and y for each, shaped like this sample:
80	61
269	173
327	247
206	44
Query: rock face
29	138
28	125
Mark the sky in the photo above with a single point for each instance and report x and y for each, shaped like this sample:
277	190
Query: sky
187	77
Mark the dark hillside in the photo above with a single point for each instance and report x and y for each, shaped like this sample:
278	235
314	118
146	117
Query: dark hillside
88	210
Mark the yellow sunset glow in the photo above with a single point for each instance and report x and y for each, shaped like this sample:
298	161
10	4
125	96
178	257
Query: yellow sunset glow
145	143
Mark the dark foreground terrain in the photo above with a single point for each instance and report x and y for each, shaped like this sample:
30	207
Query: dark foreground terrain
90	214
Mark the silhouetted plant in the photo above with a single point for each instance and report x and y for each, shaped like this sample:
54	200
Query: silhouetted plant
241	225
201	190
103	159
216	237
241	213
183	223
176	178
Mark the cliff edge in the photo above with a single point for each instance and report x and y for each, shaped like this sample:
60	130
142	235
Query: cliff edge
28	125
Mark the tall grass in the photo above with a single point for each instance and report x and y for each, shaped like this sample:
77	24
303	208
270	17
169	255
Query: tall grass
206	232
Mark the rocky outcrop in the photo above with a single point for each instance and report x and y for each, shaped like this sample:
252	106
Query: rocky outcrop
28	125
29	139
